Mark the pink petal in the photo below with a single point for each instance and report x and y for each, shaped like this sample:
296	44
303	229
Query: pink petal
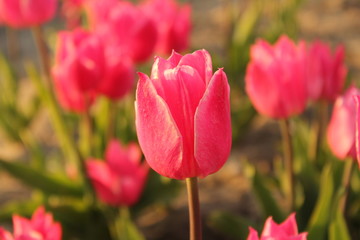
161	64
289	226
5	235
253	235
213	126
163	151
357	133
201	61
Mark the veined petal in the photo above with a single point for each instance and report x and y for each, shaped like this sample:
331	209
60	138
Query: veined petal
213	126
158	134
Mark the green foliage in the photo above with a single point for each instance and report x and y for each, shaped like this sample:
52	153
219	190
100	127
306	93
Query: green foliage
41	180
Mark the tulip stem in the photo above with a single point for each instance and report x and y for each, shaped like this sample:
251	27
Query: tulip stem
319	129
288	161
345	183
43	53
194	208
110	131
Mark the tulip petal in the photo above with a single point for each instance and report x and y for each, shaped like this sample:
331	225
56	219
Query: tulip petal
289	226
253	235
201	61
213	126
152	114
357	133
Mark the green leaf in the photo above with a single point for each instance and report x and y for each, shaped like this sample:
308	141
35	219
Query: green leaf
229	224
264	196
338	229
41	180
8	86
319	220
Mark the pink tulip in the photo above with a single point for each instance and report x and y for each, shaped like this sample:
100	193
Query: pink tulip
285	231
19	13
125	27
40	227
357	124
119	180
341	129
326	73
275	78
173	24
79	67
85	67
183	116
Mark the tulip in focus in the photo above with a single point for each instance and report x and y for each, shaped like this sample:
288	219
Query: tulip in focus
40	227
120	179
127	30
275	78
19	13
183	116
326	72
341	129
173	23
285	231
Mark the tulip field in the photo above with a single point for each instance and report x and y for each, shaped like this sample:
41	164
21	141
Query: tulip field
179	119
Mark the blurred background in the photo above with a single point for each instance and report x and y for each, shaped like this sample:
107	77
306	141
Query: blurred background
226	28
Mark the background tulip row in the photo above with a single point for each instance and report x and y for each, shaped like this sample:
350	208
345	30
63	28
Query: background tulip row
133	110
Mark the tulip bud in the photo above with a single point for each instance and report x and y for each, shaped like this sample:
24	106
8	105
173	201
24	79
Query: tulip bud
357	124
173	24
119	180
342	127
285	231
19	13
41	226
275	78
183	116
326	73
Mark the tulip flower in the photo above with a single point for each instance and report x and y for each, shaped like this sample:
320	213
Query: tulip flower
183	116
85	67
40	227
342	126
275	78
79	67
119	180
357	133
19	13
326	72
173	23
125	27
285	231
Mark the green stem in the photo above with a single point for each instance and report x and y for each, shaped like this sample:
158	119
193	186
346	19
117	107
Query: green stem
319	125
345	183
289	161
194	209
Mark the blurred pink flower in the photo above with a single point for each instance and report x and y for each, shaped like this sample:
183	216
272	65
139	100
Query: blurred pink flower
285	231
326	72
275	78
85	67
173	23
19	13
183	116
120	179
40	227
342	127
79	67
125	28
357	126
